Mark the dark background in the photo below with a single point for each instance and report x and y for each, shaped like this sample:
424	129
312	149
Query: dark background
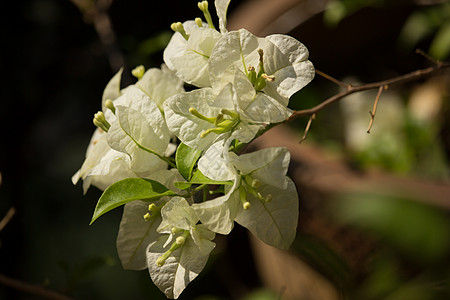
54	69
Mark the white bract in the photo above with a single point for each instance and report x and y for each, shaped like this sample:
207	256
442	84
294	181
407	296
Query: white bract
268	198
191	45
173	268
160	84
139	130
103	165
240	85
265	72
140	221
199	118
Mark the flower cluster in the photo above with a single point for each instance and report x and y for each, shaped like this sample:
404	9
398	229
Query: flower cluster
173	157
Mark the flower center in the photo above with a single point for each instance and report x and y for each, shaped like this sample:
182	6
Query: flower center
225	121
259	79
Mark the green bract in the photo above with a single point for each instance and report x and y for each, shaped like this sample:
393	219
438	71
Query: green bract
172	158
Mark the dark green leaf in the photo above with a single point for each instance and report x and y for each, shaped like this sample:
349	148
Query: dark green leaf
128	190
199	178
185	158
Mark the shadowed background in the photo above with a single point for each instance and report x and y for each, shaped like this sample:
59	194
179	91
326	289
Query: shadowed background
56	58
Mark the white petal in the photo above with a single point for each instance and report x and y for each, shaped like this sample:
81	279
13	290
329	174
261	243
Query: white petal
112	89
218	214
221	9
185	125
214	165
139	125
159	85
290	66
274	222
177	213
202	237
191	62
180	268
265	109
269	165
135	234
235	49
177	44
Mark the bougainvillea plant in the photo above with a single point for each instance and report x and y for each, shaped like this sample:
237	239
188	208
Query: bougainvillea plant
172	157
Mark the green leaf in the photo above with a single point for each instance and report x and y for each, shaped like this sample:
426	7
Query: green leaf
128	190
199	178
185	158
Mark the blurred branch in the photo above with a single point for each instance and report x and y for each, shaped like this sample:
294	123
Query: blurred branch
32	289
316	172
350	89
375	104
95	12
308	125
7	218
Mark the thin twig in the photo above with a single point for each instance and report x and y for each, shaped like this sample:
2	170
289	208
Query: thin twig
332	79
375	104
374	85
32	289
312	117
96	13
7	218
421	52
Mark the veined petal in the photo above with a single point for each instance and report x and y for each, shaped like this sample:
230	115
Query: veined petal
139	129
269	165
180	268
234	50
112	89
221	9
177	213
191	63
177	43
218	214
135	234
202	237
160	84
103	166
265	109
184	124
214	165
290	66
274	222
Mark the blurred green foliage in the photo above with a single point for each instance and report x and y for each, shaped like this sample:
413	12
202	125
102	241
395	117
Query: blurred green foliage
412	260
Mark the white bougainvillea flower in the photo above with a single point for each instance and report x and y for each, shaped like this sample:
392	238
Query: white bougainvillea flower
139	224
160	84
199	118
218	214
138	129
103	166
173	268
191	62
261	191
265	72
274	222
191	45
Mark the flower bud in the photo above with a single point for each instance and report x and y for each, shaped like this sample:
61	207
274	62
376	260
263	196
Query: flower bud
180	240
110	105
199	22
138	72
